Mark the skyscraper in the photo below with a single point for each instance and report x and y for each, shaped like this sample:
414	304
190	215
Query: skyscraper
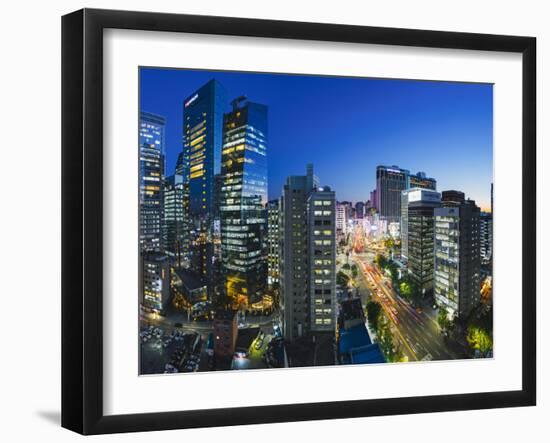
173	216
182	173
341	220
359	210
390	182
486	237
373	200
420	236
154	281
296	266
321	221
151	165
202	126
273	242
243	199
457	254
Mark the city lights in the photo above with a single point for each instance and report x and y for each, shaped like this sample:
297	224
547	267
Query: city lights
264	244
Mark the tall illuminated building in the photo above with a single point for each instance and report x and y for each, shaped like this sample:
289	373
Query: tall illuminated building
341	220
154	282
420	236
202	126
173	216
273	240
182	173
457	254
486	237
151	165
321	224
390	182
242	203
295	254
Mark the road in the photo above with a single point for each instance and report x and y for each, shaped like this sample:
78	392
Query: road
417	333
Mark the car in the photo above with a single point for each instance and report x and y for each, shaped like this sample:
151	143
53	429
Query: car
178	325
240	354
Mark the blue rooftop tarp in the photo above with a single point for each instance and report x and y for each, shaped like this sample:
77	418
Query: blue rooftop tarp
356	347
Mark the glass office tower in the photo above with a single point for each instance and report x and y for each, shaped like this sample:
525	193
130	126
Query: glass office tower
242	202
457	254
173	216
151	165
202	125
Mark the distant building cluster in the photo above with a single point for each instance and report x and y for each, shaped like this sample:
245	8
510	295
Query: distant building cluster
445	239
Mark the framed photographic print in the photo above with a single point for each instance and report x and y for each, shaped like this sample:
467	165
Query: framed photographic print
271	221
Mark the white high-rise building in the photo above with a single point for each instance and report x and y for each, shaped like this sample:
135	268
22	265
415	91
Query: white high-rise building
307	258
341	219
322	259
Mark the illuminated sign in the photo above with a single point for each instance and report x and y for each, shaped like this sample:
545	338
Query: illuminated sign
424	195
191	100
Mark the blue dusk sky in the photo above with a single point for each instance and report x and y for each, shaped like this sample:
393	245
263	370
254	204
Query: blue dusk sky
348	126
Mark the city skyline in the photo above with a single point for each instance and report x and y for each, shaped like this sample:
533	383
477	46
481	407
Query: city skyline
391	122
251	254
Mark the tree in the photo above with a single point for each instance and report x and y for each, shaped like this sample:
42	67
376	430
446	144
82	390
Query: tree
380	260
479	339
443	320
385	339
346	266
354	271
373	313
406	290
342	279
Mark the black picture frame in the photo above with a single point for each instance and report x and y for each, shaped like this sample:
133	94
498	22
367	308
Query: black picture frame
82	215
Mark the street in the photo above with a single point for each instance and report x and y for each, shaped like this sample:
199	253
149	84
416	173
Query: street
416	333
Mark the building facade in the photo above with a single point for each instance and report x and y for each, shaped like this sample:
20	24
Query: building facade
486	237
420	236
359	210
202	126
294	252
321	222
420	180
154	281
341	220
151	165
390	182
273	239
243	201
225	334
173	216
457	254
